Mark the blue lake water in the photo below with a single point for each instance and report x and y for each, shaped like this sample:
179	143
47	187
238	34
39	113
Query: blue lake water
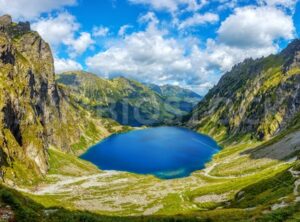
166	152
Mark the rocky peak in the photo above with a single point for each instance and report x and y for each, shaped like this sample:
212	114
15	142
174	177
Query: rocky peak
292	48
13	29
291	55
5	20
29	100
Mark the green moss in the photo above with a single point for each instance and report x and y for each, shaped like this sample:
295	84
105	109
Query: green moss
68	164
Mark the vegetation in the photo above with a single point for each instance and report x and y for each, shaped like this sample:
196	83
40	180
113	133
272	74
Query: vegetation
253	101
127	101
45	126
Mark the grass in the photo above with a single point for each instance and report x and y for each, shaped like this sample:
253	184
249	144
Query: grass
131	194
68	164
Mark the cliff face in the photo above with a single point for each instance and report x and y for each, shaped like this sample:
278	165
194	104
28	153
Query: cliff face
34	113
256	99
29	97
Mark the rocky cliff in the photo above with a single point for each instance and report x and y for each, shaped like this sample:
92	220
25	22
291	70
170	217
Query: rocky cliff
257	99
35	113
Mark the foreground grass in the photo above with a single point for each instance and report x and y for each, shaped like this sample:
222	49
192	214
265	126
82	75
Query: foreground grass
210	195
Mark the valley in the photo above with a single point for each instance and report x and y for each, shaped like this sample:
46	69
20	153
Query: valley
47	121
200	194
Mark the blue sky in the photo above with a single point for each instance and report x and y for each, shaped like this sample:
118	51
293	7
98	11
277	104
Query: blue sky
190	43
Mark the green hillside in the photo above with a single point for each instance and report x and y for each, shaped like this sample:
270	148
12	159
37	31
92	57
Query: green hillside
126	101
47	121
185	99
256	99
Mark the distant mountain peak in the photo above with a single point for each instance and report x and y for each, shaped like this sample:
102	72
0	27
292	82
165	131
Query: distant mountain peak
293	47
291	55
5	20
13	29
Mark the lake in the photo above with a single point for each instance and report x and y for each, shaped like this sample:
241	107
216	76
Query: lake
165	152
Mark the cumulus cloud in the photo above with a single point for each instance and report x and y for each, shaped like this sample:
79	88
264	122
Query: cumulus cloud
123	29
57	30
222	57
290	4
100	31
81	44
199	19
63	30
153	56
30	9
256	27
143	54
172	5
64	65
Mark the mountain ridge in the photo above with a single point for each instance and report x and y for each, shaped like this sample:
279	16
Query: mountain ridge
124	100
257	98
44	126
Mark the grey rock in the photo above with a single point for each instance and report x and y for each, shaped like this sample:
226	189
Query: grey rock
5	20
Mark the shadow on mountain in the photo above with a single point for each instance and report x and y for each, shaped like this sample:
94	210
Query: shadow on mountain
283	147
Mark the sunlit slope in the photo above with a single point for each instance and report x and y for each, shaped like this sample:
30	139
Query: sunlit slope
256	99
127	101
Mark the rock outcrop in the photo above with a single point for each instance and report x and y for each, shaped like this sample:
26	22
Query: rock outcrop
257	99
34	113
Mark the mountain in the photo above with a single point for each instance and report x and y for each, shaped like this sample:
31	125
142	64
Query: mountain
35	113
257	99
46	121
126	101
185	99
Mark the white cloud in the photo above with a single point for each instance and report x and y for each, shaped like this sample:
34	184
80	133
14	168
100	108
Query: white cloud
172	5
256	27
100	31
30	9
81	44
62	30
57	30
284	3
222	57
199	19
153	56
64	65
123	29
143	54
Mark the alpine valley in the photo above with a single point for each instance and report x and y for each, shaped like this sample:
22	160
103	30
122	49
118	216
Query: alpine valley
48	121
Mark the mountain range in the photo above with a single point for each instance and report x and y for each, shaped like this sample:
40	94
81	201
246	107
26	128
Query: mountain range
127	101
48	120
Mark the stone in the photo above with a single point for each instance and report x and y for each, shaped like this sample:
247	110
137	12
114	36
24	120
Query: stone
5	20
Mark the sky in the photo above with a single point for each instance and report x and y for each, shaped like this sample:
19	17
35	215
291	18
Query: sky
189	43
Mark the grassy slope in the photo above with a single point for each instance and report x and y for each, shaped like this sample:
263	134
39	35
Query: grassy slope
258	96
111	98
259	191
129	194
125	194
234	171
